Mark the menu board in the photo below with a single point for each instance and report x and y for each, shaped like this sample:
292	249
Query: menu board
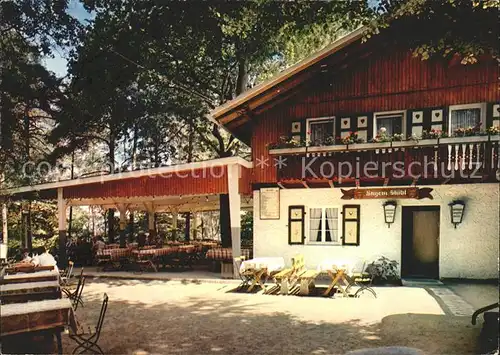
270	203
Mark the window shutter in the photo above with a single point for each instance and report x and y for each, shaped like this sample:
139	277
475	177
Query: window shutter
296	233
350	224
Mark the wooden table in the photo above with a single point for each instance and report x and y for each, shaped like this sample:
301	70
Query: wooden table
27	268
38	276
338	271
41	316
29	291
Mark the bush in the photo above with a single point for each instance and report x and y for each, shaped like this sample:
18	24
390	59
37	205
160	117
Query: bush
383	269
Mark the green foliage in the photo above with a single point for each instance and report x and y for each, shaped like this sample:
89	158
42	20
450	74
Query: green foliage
383	269
247	228
462	29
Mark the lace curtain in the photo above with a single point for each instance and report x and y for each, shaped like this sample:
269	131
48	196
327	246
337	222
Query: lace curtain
320	131
392	124
315	218
465	118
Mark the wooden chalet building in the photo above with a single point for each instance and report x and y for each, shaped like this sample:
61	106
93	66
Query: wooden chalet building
430	203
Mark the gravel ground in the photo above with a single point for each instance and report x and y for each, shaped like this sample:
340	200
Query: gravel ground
160	317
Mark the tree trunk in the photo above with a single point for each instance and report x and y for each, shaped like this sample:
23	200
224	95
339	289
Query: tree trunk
131	227
29	230
225	221
111	211
134	153
70	222
187	230
242	80
111	225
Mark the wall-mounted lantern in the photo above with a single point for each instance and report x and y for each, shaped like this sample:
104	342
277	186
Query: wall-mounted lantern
390	212
457	208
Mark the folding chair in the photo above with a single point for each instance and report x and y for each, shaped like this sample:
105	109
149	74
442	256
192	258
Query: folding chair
87	341
246	278
76	296
67	274
361	279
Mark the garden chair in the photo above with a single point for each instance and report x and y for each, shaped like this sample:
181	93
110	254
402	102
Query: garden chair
362	279
245	277
87	340
67	274
288	278
76	295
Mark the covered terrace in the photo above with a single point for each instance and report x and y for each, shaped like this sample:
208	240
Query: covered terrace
192	187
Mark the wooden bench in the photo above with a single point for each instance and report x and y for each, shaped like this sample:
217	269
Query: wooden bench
306	279
287	278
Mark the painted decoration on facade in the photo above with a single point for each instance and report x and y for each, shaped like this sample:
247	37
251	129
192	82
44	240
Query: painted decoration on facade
437	115
296	127
362	121
383	193
270	203
418	117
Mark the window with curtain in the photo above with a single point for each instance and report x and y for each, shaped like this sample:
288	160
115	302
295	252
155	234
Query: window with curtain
324	225
393	123
320	130
465	118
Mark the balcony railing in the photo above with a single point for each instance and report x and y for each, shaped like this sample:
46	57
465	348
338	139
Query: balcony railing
464	158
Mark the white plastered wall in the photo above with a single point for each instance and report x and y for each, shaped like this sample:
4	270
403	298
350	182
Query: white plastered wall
469	251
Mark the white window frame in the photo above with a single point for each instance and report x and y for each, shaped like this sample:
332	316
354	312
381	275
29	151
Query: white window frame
323	225
384	113
308	125
479	105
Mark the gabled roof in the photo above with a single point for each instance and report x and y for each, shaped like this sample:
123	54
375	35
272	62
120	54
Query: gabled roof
268	90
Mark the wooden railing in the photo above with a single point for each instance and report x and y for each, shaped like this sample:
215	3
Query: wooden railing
451	159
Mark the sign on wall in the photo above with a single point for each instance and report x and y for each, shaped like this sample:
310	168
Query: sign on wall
269	203
389	192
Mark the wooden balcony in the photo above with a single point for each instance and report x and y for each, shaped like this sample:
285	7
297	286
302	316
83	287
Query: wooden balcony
453	160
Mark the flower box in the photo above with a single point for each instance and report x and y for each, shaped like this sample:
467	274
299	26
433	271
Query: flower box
287	151
403	144
463	140
412	143
366	146
326	148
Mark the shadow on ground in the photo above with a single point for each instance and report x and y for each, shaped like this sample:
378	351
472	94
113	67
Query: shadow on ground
205	325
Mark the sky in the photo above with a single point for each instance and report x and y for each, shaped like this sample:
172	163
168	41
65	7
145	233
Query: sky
58	63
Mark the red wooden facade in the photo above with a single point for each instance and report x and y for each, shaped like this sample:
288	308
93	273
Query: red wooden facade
386	79
190	182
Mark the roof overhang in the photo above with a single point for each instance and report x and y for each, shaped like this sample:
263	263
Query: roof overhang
277	86
161	171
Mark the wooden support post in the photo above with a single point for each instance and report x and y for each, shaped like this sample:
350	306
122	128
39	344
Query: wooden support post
123	224
234	209
196	224
5	233
150	208
61	213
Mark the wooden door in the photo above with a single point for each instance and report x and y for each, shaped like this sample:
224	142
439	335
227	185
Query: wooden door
421	242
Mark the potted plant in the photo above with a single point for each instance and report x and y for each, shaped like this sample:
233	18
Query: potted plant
384	271
287	145
328	145
466	135
494	133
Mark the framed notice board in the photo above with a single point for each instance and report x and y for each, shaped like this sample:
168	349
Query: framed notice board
269	203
